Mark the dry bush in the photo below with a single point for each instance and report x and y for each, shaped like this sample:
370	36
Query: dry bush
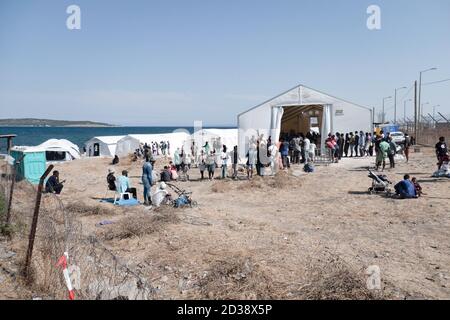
141	224
333	279
256	182
236	277
83	209
221	187
284	180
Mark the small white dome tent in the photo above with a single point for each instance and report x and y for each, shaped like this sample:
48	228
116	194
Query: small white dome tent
60	150
104	146
302	109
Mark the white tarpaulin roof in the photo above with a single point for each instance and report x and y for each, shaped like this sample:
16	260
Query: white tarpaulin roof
107	145
70	149
342	116
61	145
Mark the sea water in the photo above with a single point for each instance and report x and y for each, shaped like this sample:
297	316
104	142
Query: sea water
33	136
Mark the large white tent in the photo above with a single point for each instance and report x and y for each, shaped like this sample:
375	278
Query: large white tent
302	109
102	146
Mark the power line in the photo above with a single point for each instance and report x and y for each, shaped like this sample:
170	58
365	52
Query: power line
434	82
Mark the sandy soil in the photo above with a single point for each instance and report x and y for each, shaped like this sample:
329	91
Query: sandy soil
285	228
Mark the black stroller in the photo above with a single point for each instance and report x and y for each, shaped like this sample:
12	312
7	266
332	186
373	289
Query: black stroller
380	184
184	197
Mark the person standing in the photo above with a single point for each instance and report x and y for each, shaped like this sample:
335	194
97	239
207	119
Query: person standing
351	144
346	144
147	180
284	150
357	138
382	154
251	160
341	144
224	158
211	163
441	151
177	159
362	144
391	153
406	146
235	158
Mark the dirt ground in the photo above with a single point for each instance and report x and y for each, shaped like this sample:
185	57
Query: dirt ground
289	237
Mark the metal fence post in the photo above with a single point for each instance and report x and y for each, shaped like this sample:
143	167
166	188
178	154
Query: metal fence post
11	192
35	220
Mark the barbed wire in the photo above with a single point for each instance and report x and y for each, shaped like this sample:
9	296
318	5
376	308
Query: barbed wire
96	271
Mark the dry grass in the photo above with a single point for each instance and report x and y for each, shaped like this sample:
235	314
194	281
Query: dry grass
236	277
221	187
332	279
282	180
83	209
141	224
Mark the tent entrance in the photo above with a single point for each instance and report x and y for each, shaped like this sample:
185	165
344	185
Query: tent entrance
56	155
96	149
301	119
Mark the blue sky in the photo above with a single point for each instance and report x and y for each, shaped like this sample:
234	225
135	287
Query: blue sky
173	62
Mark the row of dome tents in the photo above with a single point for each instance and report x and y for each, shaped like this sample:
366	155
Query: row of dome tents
125	145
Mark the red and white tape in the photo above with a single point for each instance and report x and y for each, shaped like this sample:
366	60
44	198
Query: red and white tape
63	263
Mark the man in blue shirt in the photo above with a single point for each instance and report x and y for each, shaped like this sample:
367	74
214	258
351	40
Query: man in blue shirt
124	184
405	189
147	169
284	150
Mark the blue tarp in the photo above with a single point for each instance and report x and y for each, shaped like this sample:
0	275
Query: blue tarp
123	203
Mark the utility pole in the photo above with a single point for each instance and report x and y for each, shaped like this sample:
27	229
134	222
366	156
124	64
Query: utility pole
415	110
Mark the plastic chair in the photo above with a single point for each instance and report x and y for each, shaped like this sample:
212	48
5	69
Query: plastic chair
118	196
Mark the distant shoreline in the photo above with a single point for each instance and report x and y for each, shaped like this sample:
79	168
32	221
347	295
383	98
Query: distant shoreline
45	123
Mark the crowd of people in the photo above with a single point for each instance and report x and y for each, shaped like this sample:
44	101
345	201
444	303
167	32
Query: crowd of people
153	149
263	153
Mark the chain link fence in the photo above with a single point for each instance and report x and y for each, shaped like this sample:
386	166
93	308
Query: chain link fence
95	272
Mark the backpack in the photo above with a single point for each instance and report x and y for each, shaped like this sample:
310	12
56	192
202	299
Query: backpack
181	202
308	168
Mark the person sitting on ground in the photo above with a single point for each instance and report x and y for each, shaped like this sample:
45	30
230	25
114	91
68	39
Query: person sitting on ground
165	174
124	184
160	196
53	184
405	189
418	187
115	160
111	180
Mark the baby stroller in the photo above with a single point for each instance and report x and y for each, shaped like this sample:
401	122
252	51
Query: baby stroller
380	184
184	197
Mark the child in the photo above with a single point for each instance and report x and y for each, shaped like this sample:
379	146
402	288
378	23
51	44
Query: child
418	187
